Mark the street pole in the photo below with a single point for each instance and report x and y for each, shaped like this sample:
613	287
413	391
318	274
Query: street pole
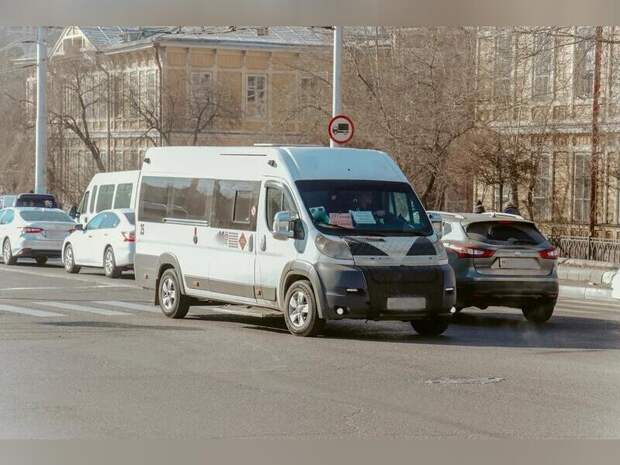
41	121
594	160
337	76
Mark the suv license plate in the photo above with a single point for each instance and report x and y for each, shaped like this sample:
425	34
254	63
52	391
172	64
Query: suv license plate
519	263
406	303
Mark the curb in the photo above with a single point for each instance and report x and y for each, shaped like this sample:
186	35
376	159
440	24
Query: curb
586	293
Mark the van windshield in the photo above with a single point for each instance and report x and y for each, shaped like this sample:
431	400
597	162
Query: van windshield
364	208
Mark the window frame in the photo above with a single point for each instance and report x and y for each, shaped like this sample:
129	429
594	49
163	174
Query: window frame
255	114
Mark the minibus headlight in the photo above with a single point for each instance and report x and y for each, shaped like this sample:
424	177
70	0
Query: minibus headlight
333	248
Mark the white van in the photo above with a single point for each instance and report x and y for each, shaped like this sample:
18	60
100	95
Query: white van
111	190
317	233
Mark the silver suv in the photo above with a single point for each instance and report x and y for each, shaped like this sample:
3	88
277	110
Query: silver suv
500	260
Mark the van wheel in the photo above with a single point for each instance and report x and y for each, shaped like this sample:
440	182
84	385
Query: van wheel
7	254
69	260
539	312
300	312
109	264
430	326
41	260
172	302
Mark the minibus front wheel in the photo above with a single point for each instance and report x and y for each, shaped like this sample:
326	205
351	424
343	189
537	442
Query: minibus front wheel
300	310
171	300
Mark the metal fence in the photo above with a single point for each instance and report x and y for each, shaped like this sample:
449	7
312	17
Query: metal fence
588	248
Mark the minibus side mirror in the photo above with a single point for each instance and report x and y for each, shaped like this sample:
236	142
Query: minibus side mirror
284	225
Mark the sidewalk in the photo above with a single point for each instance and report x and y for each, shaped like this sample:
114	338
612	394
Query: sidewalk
589	280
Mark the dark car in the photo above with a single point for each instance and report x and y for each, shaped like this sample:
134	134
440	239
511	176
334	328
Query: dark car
29	200
500	260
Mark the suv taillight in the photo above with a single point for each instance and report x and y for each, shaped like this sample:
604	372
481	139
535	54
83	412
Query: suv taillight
468	251
129	236
551	253
31	230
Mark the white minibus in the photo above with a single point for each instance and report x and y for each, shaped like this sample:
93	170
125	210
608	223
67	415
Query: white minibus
317	233
109	190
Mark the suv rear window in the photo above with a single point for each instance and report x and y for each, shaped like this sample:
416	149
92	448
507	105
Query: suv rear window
505	232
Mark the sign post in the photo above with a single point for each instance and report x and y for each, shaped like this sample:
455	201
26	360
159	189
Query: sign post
340	129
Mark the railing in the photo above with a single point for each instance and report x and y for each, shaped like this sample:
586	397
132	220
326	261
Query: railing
588	248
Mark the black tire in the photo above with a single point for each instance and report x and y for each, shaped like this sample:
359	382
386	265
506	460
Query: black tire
430	326
109	264
171	300
41	260
7	253
539	312
69	260
300	310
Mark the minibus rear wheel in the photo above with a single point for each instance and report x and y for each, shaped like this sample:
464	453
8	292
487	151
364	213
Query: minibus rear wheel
300	310
171	301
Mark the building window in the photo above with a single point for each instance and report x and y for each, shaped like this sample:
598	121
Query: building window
542	66
581	183
309	89
503	66
542	189
201	86
584	62
256	96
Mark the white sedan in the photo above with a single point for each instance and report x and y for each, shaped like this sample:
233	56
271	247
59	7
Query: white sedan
37	233
107	241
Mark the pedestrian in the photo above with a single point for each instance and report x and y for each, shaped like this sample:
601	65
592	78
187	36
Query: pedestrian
511	209
479	208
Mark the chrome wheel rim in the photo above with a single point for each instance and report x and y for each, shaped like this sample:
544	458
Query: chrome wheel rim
109	262
168	294
68	257
6	251
298	309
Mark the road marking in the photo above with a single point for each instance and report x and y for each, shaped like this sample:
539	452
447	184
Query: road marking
131	305
27	311
82	308
589	303
68	276
57	288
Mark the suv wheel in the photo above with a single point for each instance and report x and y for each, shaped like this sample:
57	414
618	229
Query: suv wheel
539	312
41	260
172	302
433	326
7	254
300	312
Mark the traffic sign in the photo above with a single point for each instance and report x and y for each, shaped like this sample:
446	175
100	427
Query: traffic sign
341	129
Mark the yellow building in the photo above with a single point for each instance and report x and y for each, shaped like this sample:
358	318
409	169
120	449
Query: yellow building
116	91
537	89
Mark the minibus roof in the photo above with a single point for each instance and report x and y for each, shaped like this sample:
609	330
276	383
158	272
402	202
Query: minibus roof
289	162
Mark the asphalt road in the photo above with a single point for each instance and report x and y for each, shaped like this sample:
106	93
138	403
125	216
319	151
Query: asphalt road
84	356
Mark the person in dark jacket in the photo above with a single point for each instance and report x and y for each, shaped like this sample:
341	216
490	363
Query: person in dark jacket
479	208
511	209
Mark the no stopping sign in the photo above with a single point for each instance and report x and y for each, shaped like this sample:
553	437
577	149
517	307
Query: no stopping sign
341	129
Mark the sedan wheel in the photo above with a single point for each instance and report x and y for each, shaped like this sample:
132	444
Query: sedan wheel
7	254
109	264
69	260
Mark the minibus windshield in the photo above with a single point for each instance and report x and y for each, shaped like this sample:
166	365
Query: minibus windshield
364	208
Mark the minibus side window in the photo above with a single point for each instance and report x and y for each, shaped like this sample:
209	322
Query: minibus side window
92	200
84	203
277	201
236	204
122	198
154	199
106	194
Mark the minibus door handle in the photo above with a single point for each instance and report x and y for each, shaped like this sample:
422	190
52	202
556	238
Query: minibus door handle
263	243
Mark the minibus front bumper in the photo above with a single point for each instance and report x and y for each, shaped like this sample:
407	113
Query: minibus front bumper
386	292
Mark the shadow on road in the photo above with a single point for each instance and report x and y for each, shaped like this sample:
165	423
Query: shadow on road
129	275
468	330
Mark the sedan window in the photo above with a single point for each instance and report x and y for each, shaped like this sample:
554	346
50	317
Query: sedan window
37	215
505	232
95	223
